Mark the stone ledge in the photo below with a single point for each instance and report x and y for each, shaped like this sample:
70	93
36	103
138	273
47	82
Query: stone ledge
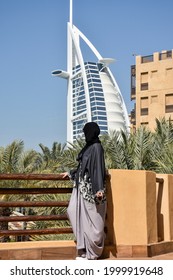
149	250
36	244
38	250
46	250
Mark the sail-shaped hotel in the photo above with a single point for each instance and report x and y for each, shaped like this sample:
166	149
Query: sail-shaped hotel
93	94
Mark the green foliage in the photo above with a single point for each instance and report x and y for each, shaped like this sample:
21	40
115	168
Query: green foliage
52	158
52	237
142	150
10	157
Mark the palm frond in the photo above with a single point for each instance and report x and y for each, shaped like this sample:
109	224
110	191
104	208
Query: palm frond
142	149
11	157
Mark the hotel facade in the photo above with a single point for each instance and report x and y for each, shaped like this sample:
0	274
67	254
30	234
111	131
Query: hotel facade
92	91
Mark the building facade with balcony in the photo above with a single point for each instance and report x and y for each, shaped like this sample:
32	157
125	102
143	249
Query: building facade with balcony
152	88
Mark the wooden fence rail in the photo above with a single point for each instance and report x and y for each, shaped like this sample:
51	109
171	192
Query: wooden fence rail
5	219
4	204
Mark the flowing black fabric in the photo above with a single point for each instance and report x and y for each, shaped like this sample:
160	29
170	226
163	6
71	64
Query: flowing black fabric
91	158
87	217
94	165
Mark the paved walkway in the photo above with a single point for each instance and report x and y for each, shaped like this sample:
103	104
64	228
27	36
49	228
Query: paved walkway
168	256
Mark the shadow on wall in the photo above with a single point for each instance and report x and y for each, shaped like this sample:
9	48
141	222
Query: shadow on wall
160	217
110	242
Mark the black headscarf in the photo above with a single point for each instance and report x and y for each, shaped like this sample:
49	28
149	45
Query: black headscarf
91	131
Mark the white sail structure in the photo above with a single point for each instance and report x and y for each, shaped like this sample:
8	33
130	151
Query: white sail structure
93	93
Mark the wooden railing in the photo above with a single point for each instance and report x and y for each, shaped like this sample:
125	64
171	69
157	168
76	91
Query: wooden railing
63	187
22	191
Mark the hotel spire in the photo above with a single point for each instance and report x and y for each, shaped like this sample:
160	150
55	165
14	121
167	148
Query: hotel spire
92	91
71	12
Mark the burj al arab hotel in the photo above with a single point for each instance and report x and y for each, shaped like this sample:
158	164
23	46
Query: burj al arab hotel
93	93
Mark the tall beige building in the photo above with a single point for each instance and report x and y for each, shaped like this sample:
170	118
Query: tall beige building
152	88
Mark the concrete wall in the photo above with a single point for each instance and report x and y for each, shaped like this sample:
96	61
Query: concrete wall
132	208
140	211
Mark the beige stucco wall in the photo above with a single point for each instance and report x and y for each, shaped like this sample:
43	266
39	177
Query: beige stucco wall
132	207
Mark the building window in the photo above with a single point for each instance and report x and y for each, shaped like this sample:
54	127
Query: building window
169	109
144	86
133	82
144	123
144	111
169	103
144	81
148	58
165	55
144	106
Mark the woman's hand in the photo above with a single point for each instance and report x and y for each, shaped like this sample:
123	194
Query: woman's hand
64	174
99	195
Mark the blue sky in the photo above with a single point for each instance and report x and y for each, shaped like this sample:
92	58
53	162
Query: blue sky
33	42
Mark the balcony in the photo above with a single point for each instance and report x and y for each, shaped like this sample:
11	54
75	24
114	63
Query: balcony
133	82
146	59
138	223
165	55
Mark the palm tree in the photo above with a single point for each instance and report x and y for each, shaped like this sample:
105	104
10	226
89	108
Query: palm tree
53	162
13	159
163	146
69	159
52	157
143	147
130	151
9	161
10	157
116	150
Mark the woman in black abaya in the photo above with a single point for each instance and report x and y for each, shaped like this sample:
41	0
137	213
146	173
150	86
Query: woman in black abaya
87	206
